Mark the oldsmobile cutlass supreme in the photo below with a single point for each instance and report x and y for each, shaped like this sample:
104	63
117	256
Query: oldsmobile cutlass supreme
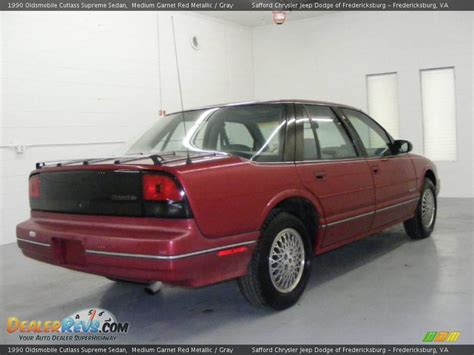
246	191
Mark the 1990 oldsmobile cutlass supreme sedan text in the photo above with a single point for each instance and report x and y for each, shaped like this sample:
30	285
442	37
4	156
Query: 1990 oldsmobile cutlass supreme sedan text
249	191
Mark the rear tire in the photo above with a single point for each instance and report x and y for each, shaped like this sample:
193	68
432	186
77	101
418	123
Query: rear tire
281	264
422	224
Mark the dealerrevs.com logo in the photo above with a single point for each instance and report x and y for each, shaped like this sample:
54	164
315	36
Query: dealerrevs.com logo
441	337
86	324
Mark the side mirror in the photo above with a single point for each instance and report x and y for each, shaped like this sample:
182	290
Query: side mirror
401	146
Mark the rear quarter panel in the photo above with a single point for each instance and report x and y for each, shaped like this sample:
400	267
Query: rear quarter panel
235	196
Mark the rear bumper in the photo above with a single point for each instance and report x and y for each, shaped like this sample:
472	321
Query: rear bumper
135	249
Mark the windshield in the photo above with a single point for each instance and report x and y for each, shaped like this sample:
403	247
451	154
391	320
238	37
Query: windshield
251	131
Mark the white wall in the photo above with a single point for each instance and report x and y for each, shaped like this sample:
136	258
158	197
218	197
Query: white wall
93	77
472	77
328	58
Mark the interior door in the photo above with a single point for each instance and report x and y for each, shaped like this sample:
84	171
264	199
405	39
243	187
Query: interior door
333	170
394	175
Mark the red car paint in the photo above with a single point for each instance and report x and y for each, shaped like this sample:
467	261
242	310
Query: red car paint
230	198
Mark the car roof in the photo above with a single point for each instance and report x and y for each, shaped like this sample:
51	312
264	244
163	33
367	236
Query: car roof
281	101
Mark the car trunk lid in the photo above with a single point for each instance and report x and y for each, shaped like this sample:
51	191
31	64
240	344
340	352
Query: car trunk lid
97	192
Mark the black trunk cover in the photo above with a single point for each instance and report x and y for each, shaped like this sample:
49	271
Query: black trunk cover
116	193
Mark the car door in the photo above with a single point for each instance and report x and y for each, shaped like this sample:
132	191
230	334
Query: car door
332	168
394	175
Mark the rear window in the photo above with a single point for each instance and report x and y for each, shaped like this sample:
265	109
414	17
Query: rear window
254	132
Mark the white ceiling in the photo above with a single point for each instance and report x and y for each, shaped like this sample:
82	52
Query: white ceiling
259	18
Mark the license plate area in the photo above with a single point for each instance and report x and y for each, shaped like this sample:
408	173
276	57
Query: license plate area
69	252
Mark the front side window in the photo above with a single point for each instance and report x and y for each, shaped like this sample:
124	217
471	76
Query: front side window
373	137
324	136
254	132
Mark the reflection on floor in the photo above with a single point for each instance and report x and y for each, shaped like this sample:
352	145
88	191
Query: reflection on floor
384	289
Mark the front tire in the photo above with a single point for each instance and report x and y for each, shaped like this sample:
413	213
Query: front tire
422	224
281	265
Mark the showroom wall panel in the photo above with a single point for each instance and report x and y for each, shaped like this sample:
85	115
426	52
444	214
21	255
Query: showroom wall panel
382	101
439	113
472	80
78	84
1	116
328	58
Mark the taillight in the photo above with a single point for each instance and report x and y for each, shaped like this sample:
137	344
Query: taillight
163	197
157	187
34	186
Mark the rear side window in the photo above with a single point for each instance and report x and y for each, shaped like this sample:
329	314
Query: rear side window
237	135
255	132
329	138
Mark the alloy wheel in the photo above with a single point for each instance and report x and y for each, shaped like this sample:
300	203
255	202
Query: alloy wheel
286	260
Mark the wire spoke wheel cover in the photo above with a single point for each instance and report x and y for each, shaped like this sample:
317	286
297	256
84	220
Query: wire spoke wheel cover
428	207
286	260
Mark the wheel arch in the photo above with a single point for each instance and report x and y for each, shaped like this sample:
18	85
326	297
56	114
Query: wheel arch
429	174
301	205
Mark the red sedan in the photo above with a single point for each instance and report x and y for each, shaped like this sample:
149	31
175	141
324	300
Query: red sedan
249	191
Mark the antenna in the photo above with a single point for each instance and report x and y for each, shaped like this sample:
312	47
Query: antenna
188	159
159	63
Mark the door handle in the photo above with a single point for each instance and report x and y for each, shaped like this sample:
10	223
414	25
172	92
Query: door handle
320	175
375	169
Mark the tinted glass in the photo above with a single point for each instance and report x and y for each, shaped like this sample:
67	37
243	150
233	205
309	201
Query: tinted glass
235	134
166	135
332	141
310	149
373	137
251	131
